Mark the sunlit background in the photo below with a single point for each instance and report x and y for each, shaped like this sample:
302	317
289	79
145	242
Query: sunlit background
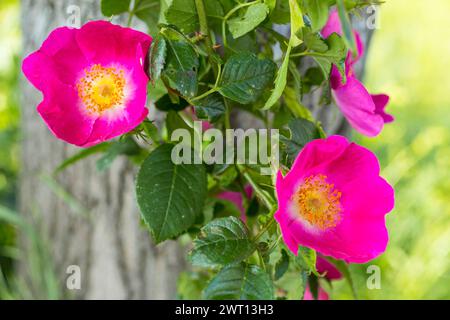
410	60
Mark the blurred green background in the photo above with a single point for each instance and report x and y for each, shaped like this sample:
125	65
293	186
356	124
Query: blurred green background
409	59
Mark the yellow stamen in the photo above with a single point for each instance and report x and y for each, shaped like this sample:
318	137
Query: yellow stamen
101	88
318	202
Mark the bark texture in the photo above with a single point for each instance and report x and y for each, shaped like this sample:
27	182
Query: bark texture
113	250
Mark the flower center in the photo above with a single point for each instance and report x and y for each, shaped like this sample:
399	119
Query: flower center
101	88
318	202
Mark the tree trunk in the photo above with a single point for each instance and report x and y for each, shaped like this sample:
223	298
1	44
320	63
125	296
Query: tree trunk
111	247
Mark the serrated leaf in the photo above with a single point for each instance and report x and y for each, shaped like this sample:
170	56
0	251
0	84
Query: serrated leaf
296	23
294	284
181	67
114	7
302	132
183	14
335	54
170	196
210	108
149	12
254	15
241	281
313	41
280	81
306	260
157	57
221	242
245	77
318	12
282	265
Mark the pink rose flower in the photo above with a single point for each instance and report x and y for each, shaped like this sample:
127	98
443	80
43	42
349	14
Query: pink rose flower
364	112
93	81
334	201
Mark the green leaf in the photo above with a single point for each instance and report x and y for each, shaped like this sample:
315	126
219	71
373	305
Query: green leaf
210	108
296	23
294	283
254	15
282	265
313	41
84	153
183	14
157	57
181	67
149	12
292	102
306	260
318	12
349	36
113	7
174	121
245	77
280	81
222	242
280	15
165	104
170	196
302	132
190	285
336	54
241	281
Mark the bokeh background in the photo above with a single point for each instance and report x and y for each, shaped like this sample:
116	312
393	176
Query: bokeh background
410	60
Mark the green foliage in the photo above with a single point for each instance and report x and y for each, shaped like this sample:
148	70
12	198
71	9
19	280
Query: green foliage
280	81
302	131
245	77
413	152
158	52
170	196
349	37
306	260
282	265
317	11
114	7
148	12
221	242
241	281
335	54
210	108
254	15
181	68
